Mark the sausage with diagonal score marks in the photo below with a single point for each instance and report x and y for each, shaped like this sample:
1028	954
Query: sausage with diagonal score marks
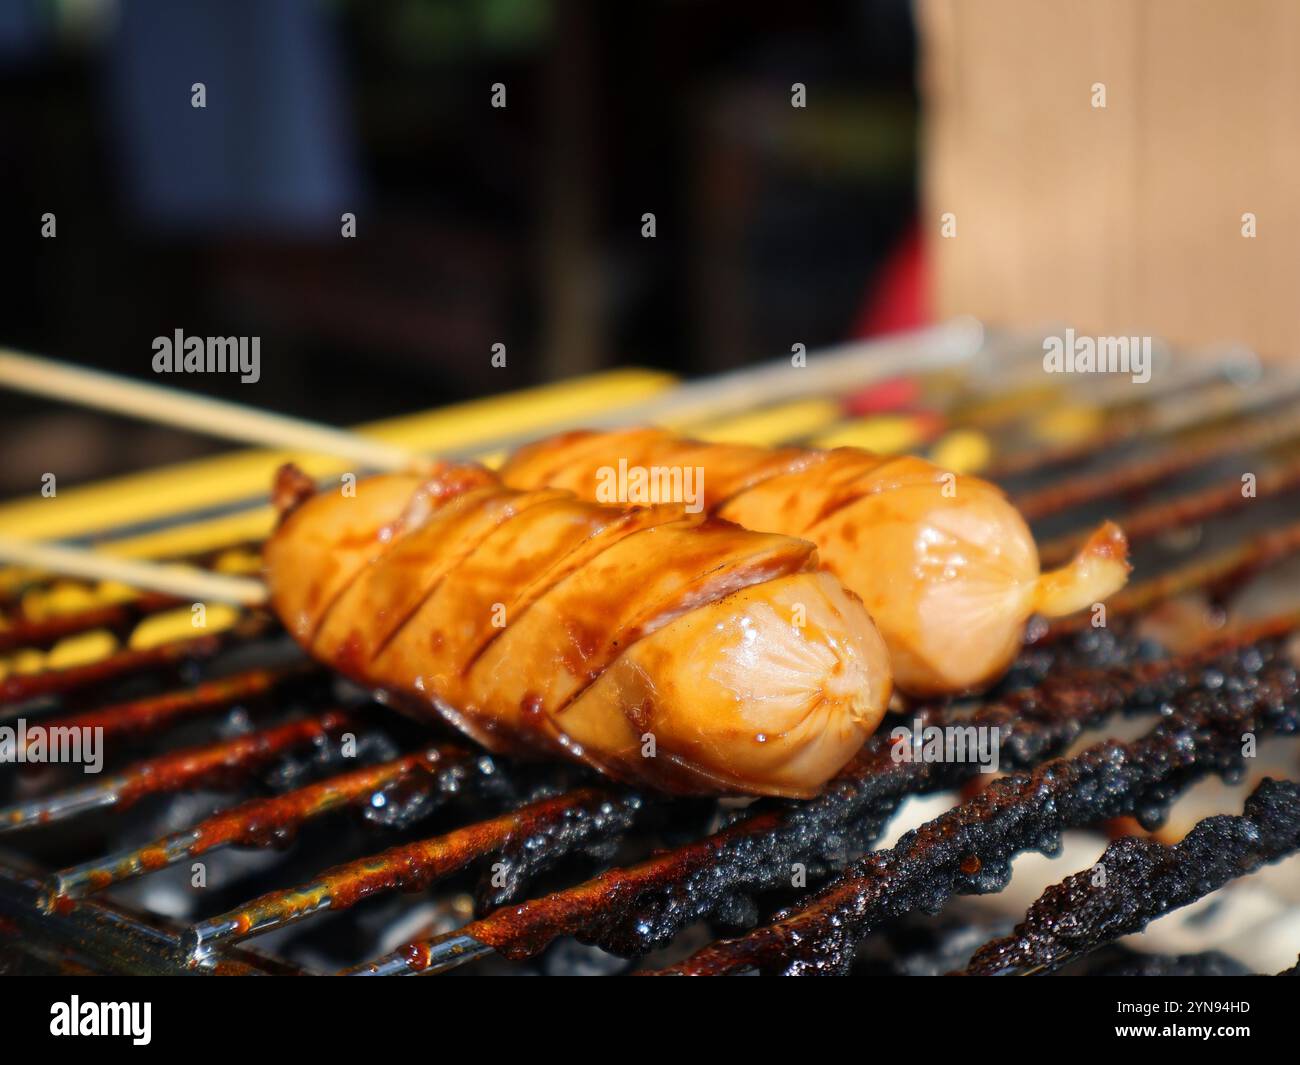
945	565
665	649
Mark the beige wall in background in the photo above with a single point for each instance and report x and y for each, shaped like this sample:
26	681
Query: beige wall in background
1125	220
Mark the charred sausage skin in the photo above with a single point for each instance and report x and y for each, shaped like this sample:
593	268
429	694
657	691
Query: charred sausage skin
945	565
665	649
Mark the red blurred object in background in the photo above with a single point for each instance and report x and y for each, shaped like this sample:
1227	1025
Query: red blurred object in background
897	300
894	393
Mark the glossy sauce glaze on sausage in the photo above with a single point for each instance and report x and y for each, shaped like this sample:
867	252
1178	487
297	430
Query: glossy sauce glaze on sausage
945	565
666	649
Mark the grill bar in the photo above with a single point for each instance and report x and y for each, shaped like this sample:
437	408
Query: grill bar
176	771
1145	473
556	825
1213	400
111	939
24	686
1144	880
426	957
115	617
260	822
968	850
162	659
1215	501
153	713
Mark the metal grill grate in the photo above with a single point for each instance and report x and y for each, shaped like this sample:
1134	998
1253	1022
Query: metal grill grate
1172	464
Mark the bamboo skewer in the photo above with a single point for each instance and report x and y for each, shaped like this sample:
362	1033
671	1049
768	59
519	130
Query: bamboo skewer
184	582
156	403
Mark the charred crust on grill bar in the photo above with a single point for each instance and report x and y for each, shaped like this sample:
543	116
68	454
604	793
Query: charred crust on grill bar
1026	811
1144	880
634	911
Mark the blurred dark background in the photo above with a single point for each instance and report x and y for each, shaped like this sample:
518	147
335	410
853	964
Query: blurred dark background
474	225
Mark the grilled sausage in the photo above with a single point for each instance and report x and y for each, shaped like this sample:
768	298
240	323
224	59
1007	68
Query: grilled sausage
668	649
944	563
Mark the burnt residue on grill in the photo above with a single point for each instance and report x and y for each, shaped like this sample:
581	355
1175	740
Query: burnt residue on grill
550	828
630	911
1137	880
273	821
1200	735
526	856
230	760
265	821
